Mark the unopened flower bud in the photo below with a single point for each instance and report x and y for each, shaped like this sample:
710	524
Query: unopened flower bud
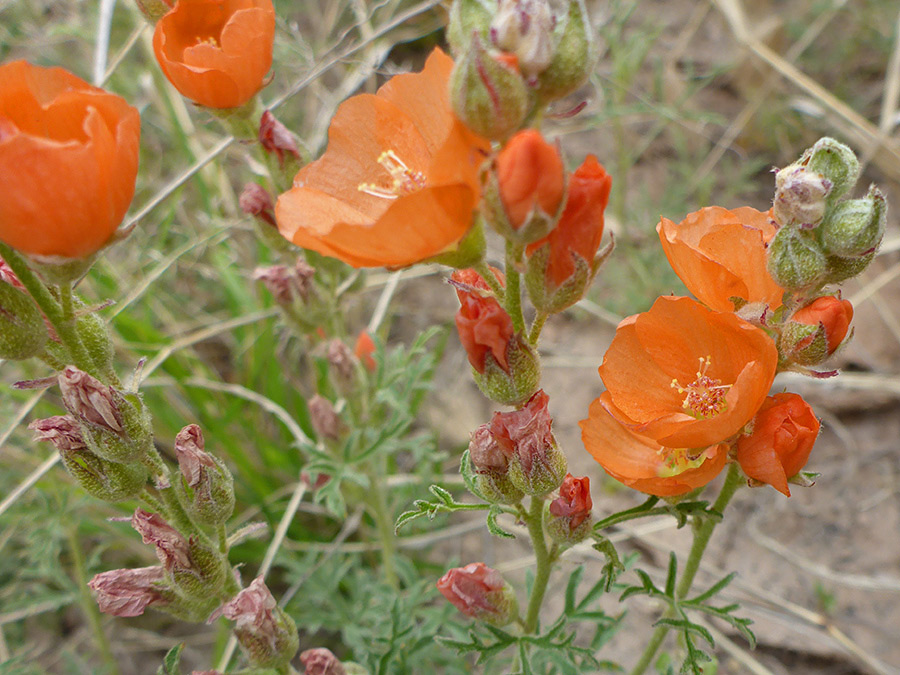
800	196
813	333
207	485
488	94
836	162
115	426
324	419
505	366
256	201
321	661
795	261
467	17
128	592
536	464
480	592
279	281
268	635
105	480
840	269
490	466
573	55
343	365
783	436
525	28
195	569
562	266
364	349
855	227
23	333
94	334
570	513
275	138
525	189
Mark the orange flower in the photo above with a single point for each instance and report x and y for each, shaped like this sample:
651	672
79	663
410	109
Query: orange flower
216	52
484	327
364	349
530	175
68	157
580	228
641	463
833	314
784	433
685	376
399	180
721	254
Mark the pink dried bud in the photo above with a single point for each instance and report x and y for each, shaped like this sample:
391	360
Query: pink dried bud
256	201
305	274
314	485
268	635
172	549
90	400
192	461
536	464
325	420
485	452
525	28
570	513
61	430
342	362
480	592
321	661
6	274
280	282
276	138
129	592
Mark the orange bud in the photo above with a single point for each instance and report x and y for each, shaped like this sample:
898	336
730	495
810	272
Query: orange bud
784	432
68	157
530	173
484	326
832	313
216	52
364	349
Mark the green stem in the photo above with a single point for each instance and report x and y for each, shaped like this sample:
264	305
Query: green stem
536	327
88	606
55	313
223	539
385	527
513	290
543	560
491	280
702	534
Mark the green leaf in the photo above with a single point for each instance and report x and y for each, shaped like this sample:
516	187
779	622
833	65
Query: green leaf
492	525
671	575
172	662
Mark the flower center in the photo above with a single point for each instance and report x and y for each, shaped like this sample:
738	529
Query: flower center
403	180
705	396
678	460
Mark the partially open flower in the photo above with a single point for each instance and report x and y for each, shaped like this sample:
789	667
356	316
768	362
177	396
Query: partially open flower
480	592
685	376
68	157
643	464
814	332
398	182
128	592
783	436
216	52
266	633
484	327
570	513
490	464
276	138
720	255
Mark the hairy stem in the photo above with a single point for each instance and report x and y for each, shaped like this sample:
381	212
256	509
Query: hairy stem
513	290
702	536
491	280
543	560
385	525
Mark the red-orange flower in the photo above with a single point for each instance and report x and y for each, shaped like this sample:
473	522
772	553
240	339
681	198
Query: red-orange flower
784	433
364	349
580	228
216	52
484	327
721	254
832	313
641	463
685	376
398	182
530	175
68	157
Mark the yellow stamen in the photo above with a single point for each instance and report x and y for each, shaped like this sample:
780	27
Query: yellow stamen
678	460
705	396
403	180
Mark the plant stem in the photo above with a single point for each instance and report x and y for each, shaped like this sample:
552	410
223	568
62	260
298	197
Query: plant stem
543	560
513	291
88	606
56	314
385	528
702	535
491	280
536	327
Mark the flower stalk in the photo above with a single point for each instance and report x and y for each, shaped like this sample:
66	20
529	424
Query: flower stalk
544	559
